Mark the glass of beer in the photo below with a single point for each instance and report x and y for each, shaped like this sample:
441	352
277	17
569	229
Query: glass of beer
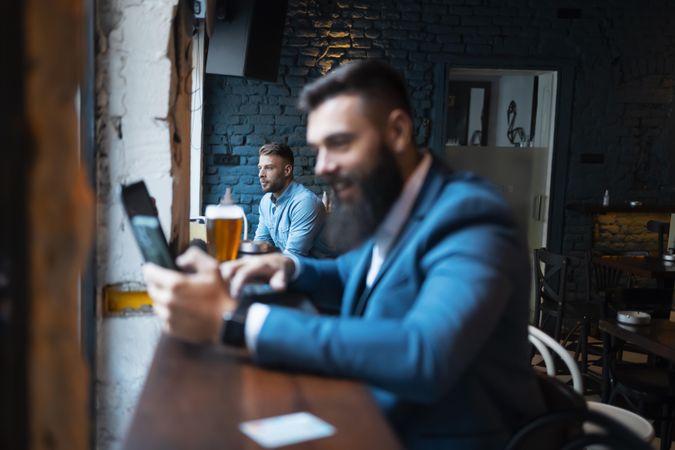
224	225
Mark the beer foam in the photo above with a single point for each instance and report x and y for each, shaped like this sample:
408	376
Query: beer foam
224	212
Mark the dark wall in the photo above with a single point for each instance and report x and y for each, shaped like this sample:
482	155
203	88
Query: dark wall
622	54
15	164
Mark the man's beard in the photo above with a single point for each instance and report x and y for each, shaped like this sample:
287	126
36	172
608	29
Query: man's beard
274	185
349	224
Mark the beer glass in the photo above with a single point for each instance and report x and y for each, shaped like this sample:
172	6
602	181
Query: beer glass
224	224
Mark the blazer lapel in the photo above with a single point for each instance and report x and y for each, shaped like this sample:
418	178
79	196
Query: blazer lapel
356	279
431	188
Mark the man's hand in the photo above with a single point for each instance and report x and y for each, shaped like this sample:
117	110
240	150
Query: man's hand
275	269
191	305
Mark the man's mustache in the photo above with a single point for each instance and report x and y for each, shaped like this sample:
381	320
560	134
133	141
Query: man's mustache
334	180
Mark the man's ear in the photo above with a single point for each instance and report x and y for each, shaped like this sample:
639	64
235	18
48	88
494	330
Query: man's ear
399	130
288	170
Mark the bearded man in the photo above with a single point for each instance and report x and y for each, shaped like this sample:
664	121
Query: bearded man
433	294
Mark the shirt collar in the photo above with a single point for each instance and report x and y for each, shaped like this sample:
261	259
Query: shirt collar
400	211
284	195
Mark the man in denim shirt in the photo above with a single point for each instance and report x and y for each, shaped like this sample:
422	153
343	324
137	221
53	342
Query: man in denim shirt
291	216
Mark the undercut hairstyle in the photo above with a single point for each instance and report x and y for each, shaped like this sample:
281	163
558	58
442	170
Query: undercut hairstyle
375	82
278	149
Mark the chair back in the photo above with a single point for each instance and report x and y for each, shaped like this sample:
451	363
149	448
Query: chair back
550	276
604	283
543	343
557	398
567	422
604	277
662	228
613	289
634	422
612	434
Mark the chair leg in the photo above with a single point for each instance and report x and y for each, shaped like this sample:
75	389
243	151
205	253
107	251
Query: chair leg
666	434
606	377
558	328
583	337
578	353
580	348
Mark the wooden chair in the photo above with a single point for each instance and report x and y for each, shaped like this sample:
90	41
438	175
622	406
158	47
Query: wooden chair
662	228
601	287
646	388
551	302
610	290
550	276
604	282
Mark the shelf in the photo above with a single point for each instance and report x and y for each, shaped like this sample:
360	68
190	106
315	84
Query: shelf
479	148
586	208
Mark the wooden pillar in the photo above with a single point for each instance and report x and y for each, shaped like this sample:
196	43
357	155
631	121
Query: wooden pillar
59	223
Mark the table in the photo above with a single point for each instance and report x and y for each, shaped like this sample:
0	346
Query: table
657	338
644	266
195	396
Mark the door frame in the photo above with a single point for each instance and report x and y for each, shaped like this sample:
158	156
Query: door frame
87	313
565	69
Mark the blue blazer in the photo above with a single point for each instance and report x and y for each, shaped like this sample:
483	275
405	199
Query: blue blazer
443	339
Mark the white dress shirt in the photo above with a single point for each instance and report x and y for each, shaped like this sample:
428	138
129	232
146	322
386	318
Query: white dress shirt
391	226
383	239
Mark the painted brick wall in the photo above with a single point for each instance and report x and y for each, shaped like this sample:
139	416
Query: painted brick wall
623	232
623	53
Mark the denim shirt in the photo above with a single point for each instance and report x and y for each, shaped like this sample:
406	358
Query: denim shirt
293	222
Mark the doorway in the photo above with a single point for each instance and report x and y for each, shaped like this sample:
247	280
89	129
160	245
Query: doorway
500	124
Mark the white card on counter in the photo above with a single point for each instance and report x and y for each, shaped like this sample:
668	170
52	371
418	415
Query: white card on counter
286	430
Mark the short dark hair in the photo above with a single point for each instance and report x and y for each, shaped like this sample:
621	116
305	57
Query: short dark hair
278	149
375	81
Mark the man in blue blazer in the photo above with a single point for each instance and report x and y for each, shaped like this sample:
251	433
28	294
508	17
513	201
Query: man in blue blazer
433	294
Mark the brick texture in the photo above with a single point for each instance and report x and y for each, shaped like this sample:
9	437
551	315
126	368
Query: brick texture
623	232
623	53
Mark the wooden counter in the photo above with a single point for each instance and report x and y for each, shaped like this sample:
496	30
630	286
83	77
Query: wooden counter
196	396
